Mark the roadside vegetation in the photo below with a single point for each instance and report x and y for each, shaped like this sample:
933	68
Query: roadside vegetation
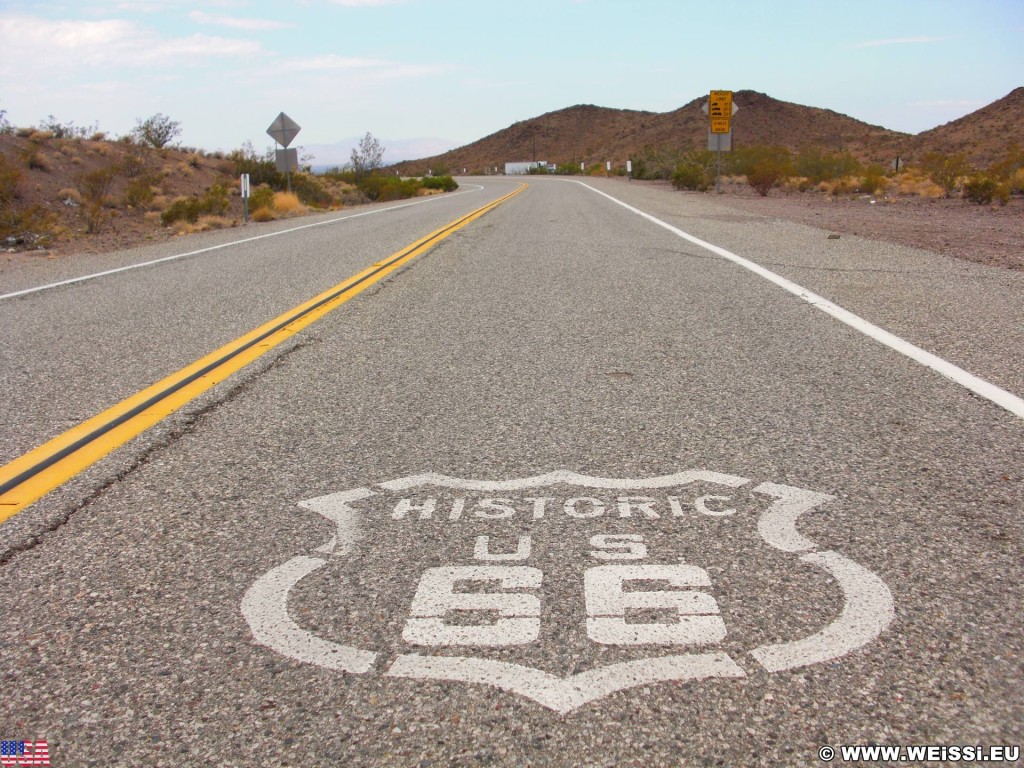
817	170
60	182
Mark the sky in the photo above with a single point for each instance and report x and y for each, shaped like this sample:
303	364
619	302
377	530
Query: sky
458	70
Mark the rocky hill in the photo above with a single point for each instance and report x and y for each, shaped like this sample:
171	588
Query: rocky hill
983	135
597	134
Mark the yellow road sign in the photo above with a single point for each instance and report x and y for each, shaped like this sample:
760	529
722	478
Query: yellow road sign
720	105
720	125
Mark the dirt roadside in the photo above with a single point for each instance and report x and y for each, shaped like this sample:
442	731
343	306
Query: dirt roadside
986	234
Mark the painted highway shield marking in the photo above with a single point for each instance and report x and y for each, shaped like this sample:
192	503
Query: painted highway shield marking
657	615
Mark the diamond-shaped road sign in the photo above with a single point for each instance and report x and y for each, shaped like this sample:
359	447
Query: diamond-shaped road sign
283	130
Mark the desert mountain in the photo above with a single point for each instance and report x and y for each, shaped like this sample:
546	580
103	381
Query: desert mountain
596	134
983	135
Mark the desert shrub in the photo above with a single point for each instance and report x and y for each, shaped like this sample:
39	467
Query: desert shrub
262	169
873	179
693	176
31	226
765	175
138	193
207	223
157	131
567	169
33	158
660	164
340	175
764	167
312	191
69	196
1011	164
94	186
215	202
980	189
10	175
1017	181
68	130
817	165
386	188
286	202
134	161
263	214
444	183
182	209
261	197
944	170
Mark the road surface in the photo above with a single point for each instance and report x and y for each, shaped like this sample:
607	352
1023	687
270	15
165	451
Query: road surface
608	476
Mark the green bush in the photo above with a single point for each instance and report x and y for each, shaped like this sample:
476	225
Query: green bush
765	174
873	179
945	171
1010	166
94	187
9	177
980	189
32	226
383	189
445	183
139	192
215	202
262	169
817	165
311	191
692	175
261	197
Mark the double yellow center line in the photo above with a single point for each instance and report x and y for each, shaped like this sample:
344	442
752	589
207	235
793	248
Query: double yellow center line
39	471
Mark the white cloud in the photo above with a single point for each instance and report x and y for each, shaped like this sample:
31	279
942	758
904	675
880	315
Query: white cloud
237	22
897	41
71	44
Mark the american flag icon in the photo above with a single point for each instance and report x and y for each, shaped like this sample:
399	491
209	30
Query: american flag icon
21	753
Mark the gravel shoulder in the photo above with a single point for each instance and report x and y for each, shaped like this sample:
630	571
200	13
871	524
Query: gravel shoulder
992	235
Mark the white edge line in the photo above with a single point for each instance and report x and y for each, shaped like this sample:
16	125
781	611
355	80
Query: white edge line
94	275
978	386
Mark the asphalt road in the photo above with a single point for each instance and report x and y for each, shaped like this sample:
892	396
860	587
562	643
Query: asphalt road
568	489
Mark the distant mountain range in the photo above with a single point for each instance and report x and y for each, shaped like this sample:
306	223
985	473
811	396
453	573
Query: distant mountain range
590	134
338	154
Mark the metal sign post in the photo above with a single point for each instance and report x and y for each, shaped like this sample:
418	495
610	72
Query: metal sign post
246	191
720	108
284	130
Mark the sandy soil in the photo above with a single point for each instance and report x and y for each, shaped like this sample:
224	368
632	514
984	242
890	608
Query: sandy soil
991	235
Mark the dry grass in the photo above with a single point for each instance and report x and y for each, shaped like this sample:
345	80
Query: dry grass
263	214
1017	181
287	203
70	193
207	223
914	182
